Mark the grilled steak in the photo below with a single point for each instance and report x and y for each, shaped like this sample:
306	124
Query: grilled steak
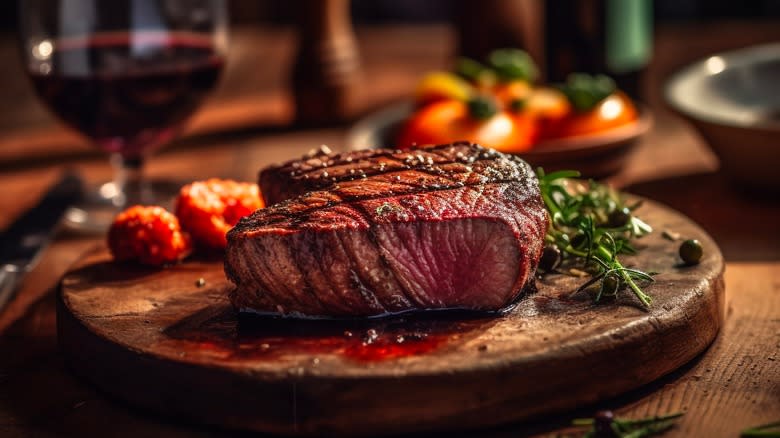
375	232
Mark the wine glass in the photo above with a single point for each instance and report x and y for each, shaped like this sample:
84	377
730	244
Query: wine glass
127	74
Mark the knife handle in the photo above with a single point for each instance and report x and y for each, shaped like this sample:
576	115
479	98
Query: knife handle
9	276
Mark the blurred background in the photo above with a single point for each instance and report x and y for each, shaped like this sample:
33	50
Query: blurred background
398	40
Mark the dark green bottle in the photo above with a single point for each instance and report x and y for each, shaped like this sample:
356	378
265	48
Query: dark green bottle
614	37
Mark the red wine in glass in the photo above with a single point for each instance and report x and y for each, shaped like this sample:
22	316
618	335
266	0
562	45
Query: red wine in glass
127	74
128	92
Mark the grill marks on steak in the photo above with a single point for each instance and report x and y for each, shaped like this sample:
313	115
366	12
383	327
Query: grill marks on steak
453	226
432	167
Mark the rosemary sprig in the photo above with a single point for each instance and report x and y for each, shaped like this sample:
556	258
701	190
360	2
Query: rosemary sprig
604	424
594	224
765	430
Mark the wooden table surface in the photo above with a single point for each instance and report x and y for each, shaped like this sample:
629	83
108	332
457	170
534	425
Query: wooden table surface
732	385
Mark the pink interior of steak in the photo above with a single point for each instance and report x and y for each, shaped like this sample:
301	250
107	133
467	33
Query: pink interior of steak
460	263
469	263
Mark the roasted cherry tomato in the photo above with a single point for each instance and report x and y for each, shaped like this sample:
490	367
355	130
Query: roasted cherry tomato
454	120
209	209
149	235
547	103
511	94
613	111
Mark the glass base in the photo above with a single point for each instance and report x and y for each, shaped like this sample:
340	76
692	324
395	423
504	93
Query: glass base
96	212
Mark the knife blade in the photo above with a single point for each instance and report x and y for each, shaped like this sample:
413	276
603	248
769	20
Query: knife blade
23	242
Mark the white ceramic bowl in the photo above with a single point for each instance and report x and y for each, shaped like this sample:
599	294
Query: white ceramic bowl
733	100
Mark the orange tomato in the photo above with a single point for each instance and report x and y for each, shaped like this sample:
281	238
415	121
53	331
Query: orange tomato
616	110
209	209
506	92
527	124
547	103
448	121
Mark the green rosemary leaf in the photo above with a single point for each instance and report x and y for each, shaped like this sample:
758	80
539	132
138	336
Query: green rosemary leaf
558	174
628	428
765	430
591	223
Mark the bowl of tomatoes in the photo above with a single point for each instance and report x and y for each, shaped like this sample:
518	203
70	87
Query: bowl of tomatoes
586	123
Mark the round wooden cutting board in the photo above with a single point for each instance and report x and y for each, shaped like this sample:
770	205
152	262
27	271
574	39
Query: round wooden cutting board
163	340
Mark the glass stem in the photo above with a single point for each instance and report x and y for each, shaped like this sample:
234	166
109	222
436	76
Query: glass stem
131	186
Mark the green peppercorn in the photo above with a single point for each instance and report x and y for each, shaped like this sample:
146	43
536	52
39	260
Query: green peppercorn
610	285
619	218
691	252
551	258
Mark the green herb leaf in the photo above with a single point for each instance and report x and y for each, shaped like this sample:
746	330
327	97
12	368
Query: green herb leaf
581	230
627	428
384	209
482	107
584	91
513	64
469	69
518	105
765	430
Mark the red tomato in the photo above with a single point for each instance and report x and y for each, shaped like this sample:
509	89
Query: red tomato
449	121
508	92
149	235
616	110
547	103
209	209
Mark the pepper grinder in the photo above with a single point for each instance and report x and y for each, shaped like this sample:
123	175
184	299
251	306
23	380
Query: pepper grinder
326	72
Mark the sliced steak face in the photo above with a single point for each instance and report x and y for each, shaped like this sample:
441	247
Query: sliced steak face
454	226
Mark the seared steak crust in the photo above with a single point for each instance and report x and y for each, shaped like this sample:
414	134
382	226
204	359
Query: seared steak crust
439	166
375	232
